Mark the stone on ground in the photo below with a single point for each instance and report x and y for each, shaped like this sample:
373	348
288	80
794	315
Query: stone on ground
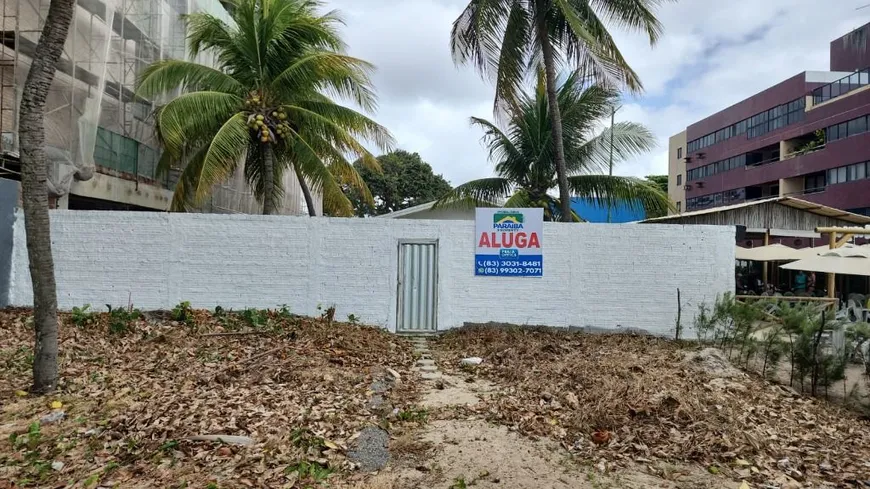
370	451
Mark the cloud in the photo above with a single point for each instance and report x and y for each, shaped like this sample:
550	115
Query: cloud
712	55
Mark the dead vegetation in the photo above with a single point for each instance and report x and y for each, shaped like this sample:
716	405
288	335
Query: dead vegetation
136	387
637	400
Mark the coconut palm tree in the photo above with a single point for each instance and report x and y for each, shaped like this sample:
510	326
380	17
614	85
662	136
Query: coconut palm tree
35	192
524	155
508	38
266	105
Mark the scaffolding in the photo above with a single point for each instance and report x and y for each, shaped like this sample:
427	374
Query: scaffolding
93	118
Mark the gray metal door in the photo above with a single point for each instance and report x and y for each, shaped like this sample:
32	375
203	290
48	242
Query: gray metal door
418	286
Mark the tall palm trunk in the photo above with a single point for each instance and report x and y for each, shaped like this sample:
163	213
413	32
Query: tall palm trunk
35	192
556	120
269	206
306	192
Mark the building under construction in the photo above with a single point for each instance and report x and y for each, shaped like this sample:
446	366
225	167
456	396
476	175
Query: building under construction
93	119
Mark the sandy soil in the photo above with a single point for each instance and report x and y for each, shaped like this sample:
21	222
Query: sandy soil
455	453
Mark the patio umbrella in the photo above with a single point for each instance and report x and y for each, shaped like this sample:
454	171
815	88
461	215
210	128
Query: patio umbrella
848	260
773	252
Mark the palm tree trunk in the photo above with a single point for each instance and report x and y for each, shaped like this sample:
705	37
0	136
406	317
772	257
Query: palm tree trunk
268	180
34	175
306	192
556	121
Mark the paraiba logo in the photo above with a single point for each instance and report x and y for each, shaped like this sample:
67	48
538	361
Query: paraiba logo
508	221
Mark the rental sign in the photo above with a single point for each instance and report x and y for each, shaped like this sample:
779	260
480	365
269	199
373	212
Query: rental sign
508	242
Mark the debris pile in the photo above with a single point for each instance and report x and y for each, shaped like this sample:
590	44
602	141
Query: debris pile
637	399
248	399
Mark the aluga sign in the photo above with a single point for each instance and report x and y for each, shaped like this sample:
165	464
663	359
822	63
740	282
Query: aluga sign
508	242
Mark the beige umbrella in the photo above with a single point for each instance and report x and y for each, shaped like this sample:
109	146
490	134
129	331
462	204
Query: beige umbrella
847	260
773	252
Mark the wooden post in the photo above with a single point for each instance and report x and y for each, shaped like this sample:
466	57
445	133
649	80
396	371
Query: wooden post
832	242
765	264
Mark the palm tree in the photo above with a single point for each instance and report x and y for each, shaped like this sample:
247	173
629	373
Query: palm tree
35	192
267	105
525	158
508	38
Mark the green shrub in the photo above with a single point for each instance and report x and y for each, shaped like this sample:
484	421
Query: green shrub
82	316
121	318
183	313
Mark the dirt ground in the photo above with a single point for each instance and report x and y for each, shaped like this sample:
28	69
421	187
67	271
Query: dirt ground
544	410
454	451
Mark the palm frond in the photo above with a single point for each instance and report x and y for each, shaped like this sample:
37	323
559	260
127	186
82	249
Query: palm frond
343	75
476	33
205	31
632	14
513	57
484	192
614	191
629	139
194	116
166	75
593	48
223	154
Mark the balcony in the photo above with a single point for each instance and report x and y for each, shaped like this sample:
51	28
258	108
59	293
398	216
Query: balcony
802	145
841	87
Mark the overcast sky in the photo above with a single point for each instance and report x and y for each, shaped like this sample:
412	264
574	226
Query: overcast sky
713	54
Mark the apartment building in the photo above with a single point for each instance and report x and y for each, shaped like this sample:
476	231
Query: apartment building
100	137
806	136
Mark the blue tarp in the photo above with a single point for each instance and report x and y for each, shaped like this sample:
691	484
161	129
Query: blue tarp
592	211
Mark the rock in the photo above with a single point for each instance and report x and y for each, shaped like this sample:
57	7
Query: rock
430	375
380	386
712	361
225	451
52	417
370	451
572	401
57	465
230	439
826	467
394	374
471	361
547	396
375	402
783	463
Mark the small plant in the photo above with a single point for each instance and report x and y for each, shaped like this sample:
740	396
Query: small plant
121	318
30	439
459	483
313	471
413	415
255	318
168	446
304	439
82	316
183	313
353	319
284	312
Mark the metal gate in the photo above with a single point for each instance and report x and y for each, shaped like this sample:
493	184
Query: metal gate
418	286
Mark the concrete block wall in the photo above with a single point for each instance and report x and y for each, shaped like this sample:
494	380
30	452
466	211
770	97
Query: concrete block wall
607	276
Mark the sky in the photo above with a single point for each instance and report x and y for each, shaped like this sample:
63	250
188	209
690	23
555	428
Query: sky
713	54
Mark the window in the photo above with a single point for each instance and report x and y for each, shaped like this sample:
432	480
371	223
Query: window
857	171
679	206
814	183
679	152
857	126
680	179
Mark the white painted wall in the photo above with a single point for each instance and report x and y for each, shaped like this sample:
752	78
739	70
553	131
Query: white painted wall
599	275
